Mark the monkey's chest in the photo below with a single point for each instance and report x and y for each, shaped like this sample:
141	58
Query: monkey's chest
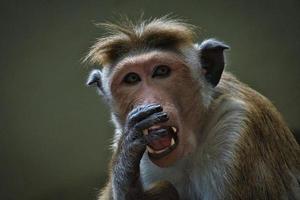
179	176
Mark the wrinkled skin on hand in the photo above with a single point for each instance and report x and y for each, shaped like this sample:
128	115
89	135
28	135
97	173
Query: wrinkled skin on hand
126	184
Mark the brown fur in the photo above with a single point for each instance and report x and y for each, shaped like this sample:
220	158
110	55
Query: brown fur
127	37
267	156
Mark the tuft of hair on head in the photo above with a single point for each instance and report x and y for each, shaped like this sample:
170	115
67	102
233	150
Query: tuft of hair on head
126	36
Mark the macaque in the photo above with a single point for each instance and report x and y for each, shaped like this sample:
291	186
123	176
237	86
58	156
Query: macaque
184	127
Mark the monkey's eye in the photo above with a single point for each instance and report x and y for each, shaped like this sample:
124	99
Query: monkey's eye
161	71
131	78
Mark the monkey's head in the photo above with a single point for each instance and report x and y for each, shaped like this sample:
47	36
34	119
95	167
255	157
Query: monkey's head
158	62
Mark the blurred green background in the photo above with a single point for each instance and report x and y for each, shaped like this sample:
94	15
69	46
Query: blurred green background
55	132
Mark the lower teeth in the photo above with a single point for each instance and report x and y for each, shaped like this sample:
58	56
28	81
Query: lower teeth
150	150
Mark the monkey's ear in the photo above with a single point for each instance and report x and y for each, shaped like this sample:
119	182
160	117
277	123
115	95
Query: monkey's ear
94	79
212	59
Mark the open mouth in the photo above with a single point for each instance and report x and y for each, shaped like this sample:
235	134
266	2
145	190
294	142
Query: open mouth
162	140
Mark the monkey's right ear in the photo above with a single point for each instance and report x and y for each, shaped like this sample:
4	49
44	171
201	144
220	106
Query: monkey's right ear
94	79
212	59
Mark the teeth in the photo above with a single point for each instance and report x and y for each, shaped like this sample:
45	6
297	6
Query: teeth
154	151
172	142
145	132
150	150
174	129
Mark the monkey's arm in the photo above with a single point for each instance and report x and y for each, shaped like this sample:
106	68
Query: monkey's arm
125	175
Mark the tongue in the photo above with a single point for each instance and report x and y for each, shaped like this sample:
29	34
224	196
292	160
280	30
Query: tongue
161	143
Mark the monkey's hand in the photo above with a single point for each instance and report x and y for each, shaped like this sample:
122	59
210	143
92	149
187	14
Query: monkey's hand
132	145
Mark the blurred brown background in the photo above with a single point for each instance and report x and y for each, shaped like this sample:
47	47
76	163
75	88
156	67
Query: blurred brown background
55	132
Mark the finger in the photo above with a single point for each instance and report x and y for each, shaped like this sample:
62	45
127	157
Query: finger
141	113
135	140
141	107
152	120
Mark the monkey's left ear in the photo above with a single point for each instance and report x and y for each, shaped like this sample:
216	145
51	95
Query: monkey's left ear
94	79
212	59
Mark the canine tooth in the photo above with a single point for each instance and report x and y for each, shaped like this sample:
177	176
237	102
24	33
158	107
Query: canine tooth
172	142
145	132
174	129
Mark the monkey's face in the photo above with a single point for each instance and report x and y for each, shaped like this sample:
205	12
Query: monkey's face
162	78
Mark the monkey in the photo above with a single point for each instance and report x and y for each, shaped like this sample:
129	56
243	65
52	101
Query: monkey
185	128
